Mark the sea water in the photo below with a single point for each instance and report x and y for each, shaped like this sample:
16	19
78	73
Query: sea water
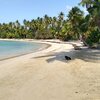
15	48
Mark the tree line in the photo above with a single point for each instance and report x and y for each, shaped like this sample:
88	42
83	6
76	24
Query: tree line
75	26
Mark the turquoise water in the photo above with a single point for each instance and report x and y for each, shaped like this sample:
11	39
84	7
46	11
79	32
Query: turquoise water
16	48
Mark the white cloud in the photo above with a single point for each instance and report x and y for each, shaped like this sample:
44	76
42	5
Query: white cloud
85	11
68	7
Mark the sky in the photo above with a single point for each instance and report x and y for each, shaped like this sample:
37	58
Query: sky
12	10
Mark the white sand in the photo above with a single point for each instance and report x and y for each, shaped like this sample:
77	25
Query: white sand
46	75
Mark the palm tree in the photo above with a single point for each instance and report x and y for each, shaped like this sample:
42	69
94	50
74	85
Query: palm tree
75	17
93	7
17	24
61	16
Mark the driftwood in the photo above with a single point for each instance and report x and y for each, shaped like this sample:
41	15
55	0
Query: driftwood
76	47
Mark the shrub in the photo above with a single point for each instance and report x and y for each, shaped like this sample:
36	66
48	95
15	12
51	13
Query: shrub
93	38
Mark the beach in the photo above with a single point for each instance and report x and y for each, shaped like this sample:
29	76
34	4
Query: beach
46	75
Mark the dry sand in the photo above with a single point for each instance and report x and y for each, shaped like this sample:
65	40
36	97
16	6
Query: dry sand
46	75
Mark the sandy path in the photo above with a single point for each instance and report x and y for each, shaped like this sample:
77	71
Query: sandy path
49	78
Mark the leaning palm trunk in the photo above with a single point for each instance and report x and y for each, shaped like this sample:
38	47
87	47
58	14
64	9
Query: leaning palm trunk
98	22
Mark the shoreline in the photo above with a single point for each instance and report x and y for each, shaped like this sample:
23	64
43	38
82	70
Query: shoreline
49	43
51	48
45	46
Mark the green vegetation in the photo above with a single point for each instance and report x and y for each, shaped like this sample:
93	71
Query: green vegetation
74	26
92	22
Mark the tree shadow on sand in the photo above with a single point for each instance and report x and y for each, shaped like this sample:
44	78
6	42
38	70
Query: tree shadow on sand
88	55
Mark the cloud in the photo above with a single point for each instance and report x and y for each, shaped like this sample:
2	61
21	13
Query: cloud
85	11
68	7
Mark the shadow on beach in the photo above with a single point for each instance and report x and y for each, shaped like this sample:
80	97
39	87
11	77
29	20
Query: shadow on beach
88	55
